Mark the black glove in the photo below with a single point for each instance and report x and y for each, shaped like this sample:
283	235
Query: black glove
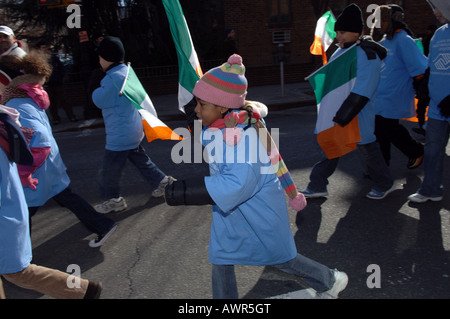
352	105
188	192
444	106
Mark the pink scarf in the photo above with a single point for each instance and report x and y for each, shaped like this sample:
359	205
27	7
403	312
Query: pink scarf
37	93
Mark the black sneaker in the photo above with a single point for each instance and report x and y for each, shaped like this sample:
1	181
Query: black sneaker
100	239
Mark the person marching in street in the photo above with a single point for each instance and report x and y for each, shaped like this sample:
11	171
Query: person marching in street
15	242
405	65
250	223
124	131
438	125
47	178
349	28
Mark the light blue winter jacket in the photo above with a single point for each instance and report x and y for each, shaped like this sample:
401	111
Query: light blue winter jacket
123	123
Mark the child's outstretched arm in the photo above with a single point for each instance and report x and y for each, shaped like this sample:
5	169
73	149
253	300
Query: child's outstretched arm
188	192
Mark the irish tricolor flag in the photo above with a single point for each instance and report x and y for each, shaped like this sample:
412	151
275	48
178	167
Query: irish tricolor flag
332	84
154	128
324	35
189	66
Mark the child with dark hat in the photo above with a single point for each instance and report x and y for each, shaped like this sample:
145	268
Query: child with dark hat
245	188
124	131
349	29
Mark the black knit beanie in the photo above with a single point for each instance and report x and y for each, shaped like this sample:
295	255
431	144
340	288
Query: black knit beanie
111	49
350	20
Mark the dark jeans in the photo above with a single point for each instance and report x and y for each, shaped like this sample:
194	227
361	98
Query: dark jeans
88	216
376	168
113	164
390	131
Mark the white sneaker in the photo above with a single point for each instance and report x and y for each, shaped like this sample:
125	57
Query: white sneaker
341	280
100	239
112	205
418	198
160	190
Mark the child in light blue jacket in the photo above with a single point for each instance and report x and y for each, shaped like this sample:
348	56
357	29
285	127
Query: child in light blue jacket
124	131
47	178
250	218
15	242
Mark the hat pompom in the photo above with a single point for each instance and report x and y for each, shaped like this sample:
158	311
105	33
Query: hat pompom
224	85
298	202
235	59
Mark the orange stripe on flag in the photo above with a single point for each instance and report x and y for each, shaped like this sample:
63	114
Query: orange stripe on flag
338	141
316	47
159	132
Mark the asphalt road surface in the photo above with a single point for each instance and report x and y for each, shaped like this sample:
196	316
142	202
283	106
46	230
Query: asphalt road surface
389	248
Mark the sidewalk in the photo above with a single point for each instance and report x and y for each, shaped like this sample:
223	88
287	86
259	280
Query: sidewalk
274	96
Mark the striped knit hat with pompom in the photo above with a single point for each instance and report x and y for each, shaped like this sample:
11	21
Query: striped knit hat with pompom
224	85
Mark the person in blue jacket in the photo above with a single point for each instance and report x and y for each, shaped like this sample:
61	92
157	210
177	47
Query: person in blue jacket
124	131
349	28
250	218
438	127
15	242
47	178
404	65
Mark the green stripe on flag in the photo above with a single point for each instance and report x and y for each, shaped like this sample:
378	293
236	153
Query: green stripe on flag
331	21
336	72
183	44
133	89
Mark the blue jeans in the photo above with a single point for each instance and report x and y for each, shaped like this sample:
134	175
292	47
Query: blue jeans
113	164
314	274
433	161
376	168
88	216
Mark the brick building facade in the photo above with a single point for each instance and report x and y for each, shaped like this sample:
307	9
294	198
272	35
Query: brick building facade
261	24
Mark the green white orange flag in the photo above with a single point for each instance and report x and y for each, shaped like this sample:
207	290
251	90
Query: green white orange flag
324	35
154	128
332	84
189	65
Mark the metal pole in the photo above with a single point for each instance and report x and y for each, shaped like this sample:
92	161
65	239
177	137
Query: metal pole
281	56
282	77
